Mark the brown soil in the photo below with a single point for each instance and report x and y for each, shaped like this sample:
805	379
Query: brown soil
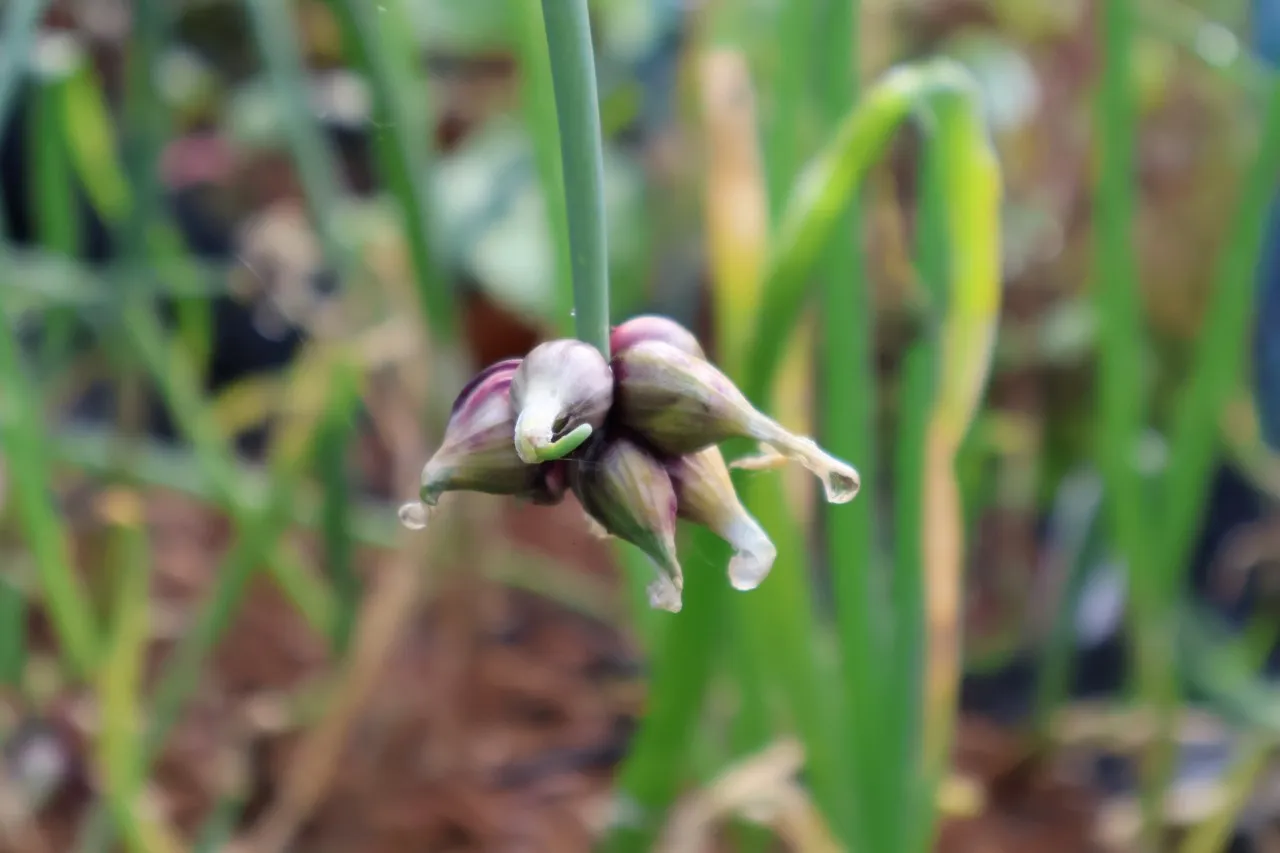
494	725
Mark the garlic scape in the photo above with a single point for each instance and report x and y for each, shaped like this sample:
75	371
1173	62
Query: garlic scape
634	438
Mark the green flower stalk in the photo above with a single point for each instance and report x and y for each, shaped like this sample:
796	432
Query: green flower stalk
680	404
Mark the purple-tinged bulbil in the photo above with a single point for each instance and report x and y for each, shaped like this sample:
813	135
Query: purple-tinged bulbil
478	454
705	495
627	492
680	404
654	327
561	393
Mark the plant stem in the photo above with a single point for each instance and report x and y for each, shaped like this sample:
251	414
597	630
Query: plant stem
767	654
650	779
1120	386
335	438
790	91
23	440
381	43
970	201
916	390
818	201
1075	535
120	673
13	634
313	157
847	427
573	76
1221	350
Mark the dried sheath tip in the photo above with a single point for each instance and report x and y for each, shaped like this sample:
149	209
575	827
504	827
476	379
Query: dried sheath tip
664	595
561	393
628	492
705	495
477	453
680	404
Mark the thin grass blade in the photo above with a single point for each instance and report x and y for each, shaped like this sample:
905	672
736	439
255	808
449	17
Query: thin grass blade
820	199
917	390
737	222
1121	396
13	634
120	678
277	40
339	551
30	486
1221	349
847	429
683	667
380	40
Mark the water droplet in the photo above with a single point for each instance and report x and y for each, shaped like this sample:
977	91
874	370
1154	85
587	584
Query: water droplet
414	515
840	487
839	479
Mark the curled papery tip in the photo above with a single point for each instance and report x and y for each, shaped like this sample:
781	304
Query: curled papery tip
750	566
664	595
414	515
753	551
840	480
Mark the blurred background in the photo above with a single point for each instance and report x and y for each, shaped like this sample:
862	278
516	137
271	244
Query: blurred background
252	250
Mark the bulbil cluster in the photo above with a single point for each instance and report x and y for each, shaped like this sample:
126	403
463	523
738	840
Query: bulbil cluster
635	439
